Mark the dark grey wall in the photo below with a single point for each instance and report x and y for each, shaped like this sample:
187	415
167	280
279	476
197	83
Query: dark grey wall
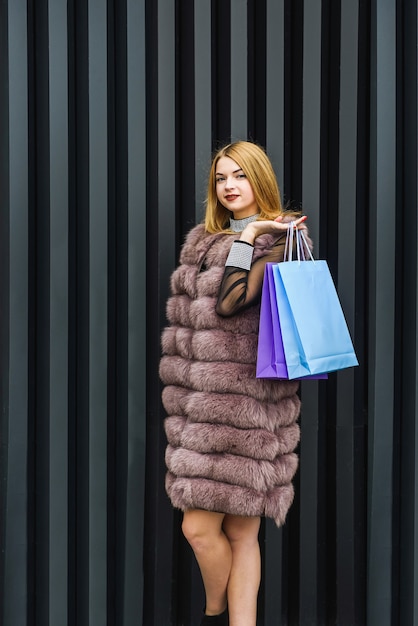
109	113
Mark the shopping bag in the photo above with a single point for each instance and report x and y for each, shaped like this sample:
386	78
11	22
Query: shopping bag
271	361
270	355
314	331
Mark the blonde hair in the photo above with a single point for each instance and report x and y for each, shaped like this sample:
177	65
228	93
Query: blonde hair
257	167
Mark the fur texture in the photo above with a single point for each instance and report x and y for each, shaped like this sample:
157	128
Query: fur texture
231	437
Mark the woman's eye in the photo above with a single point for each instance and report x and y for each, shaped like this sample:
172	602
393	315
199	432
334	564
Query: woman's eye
241	176
220	180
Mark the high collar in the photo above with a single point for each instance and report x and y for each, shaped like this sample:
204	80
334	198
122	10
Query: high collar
237	226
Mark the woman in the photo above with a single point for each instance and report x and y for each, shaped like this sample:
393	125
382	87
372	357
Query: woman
230	436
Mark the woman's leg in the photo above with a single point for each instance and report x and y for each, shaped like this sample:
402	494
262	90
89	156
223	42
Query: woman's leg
244	579
203	530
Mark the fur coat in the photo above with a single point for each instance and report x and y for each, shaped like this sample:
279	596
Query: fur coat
231	437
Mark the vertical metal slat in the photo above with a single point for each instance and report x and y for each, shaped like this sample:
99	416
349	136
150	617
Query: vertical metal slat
345	459
98	272
382	312
15	574
310	422
137	208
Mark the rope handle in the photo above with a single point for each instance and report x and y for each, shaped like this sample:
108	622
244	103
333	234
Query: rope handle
301	245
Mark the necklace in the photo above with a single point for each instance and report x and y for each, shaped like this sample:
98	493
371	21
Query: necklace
237	226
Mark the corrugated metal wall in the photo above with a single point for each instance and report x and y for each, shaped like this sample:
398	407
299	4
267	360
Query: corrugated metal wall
109	112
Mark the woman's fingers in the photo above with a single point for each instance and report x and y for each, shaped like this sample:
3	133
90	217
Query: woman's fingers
297	222
301	220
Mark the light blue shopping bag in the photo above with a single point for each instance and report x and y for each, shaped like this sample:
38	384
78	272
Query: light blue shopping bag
271	361
314	330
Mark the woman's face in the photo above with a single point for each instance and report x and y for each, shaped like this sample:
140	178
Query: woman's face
233	189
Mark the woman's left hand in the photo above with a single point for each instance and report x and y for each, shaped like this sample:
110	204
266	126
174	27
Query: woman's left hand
269	227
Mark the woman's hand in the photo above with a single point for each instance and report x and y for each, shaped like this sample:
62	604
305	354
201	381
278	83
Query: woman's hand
268	227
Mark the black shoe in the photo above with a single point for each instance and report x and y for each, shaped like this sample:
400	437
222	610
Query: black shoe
215	620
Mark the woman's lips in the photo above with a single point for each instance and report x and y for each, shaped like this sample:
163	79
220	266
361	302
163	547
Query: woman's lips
231	197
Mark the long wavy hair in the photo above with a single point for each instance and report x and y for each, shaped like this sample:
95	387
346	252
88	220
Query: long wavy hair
257	167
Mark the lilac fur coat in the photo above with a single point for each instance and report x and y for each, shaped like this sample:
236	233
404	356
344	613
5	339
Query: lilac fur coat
231	437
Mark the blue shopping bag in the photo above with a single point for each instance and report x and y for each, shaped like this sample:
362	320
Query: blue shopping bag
271	362
314	331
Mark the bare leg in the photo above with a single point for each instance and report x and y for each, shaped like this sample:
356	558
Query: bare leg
203	530
244	580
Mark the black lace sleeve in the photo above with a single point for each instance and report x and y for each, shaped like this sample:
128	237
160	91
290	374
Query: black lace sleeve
241	288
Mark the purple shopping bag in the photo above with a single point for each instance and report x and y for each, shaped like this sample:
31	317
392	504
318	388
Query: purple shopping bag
270	354
271	362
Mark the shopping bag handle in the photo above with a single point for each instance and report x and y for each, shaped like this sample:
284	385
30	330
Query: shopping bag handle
301	244
300	236
289	243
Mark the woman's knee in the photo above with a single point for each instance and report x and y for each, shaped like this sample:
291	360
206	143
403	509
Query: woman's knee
201	528
241	531
190	528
